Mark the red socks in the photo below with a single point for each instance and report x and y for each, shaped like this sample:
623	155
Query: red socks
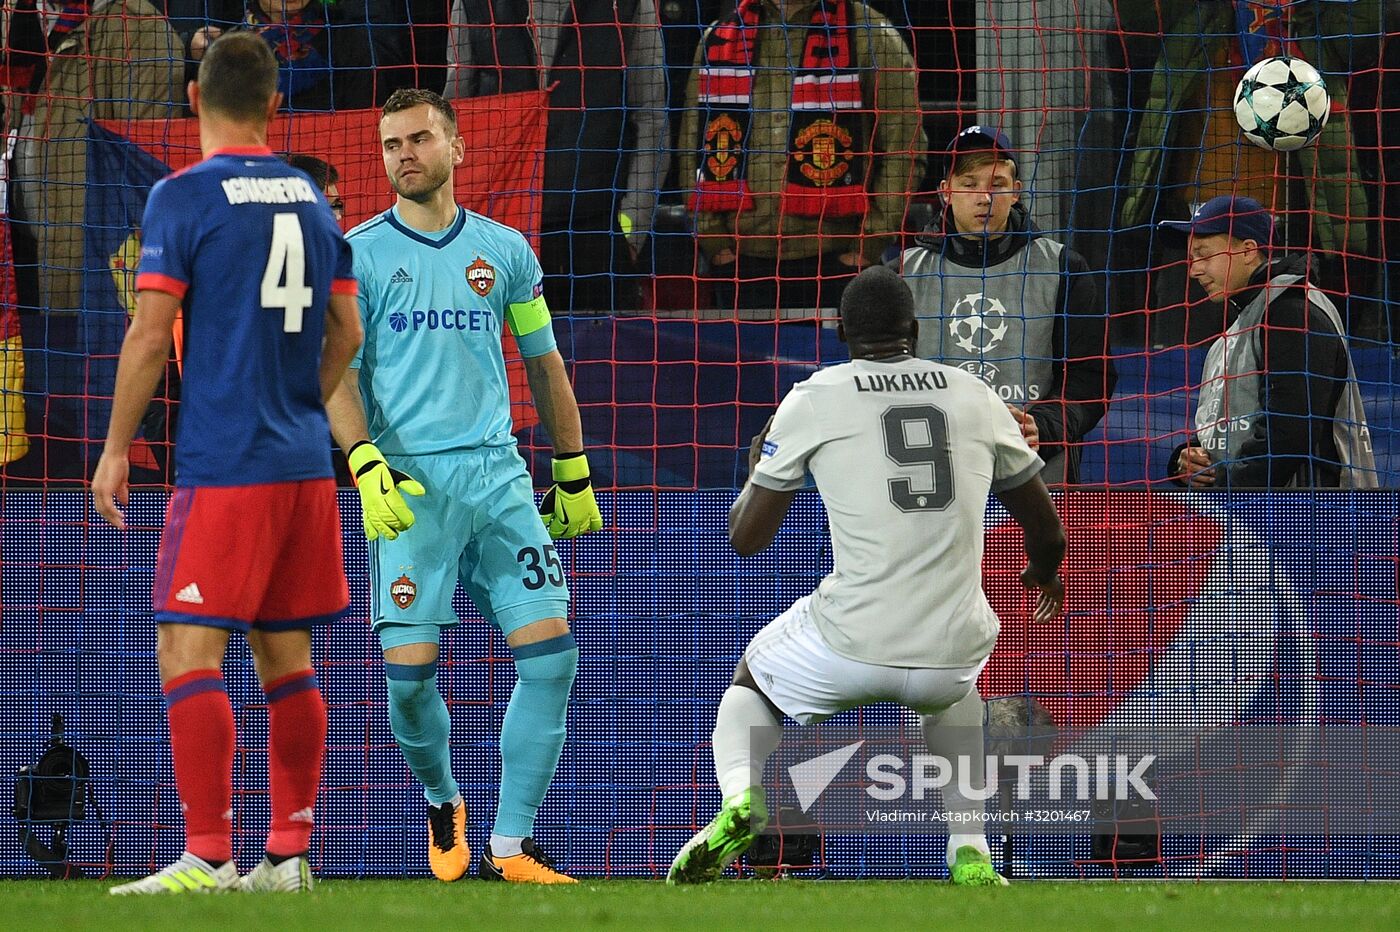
296	747
201	742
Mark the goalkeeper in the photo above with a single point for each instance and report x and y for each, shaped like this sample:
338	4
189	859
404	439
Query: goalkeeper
425	413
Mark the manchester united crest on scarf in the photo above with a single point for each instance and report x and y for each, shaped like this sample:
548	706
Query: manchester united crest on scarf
829	131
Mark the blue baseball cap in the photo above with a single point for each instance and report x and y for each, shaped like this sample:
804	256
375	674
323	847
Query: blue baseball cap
1241	217
980	138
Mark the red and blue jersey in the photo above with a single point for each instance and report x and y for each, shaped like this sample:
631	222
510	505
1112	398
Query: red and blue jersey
250	244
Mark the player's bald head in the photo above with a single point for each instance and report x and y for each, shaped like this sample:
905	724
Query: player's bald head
877	307
238	76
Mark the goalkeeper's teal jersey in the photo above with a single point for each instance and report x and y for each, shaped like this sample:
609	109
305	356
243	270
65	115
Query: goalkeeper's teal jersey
432	370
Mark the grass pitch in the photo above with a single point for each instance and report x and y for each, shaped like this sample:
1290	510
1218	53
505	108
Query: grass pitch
752	906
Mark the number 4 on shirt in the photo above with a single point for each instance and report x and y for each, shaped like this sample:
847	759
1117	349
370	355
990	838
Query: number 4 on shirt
284	286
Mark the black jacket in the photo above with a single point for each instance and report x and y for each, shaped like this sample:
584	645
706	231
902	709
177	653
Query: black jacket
350	79
1305	372
586	141
1084	372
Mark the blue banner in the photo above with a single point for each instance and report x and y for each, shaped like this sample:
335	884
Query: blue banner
120	175
1183	608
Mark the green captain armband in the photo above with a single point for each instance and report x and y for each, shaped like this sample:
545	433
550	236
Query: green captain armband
527	317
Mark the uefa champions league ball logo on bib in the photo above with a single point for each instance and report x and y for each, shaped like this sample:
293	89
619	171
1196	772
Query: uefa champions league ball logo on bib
977	323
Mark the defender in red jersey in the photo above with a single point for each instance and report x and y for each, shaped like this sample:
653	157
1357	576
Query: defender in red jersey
252	539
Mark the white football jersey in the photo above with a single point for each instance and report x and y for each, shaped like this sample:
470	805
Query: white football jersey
904	454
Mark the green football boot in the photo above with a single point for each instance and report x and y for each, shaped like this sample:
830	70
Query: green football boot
972	868
729	834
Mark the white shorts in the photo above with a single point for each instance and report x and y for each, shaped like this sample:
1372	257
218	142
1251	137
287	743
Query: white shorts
796	669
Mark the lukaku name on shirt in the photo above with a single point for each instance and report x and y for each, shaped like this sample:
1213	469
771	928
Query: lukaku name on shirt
901	382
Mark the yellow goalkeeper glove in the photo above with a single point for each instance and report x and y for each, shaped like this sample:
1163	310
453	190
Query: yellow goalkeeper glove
380	485
569	508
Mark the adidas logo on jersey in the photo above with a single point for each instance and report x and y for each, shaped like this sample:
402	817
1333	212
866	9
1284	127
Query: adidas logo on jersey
190	594
401	277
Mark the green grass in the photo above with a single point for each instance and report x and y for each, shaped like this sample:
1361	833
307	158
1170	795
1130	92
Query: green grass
752	906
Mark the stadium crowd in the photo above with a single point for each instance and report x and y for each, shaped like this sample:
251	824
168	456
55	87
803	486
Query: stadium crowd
790	143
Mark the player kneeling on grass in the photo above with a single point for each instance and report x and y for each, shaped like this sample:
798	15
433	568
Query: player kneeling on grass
904	453
252	538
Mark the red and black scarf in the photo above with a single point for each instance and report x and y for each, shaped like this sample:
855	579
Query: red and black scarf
829	130
294	41
25	61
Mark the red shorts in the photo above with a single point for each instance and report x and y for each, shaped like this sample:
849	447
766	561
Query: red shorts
265	556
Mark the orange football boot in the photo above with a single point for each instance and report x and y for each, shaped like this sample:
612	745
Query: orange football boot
448	854
531	865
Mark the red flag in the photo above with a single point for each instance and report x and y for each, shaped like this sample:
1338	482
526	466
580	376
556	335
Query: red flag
500	177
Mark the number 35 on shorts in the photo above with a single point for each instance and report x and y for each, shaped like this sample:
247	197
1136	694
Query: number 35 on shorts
540	565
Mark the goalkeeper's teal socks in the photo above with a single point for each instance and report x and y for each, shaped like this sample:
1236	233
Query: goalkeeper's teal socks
532	734
418	718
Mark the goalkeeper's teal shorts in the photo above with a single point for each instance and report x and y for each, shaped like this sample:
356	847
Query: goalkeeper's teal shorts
477	524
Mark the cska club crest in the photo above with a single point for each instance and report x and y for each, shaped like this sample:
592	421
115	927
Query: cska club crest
403	591
481	275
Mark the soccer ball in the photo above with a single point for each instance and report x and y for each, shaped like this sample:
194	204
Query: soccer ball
1282	104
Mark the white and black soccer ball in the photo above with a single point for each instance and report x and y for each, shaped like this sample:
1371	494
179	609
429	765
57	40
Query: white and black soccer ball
1282	104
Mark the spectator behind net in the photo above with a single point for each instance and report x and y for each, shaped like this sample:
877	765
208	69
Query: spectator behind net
998	298
117	62
795	192
1278	405
606	145
324	60
325	176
